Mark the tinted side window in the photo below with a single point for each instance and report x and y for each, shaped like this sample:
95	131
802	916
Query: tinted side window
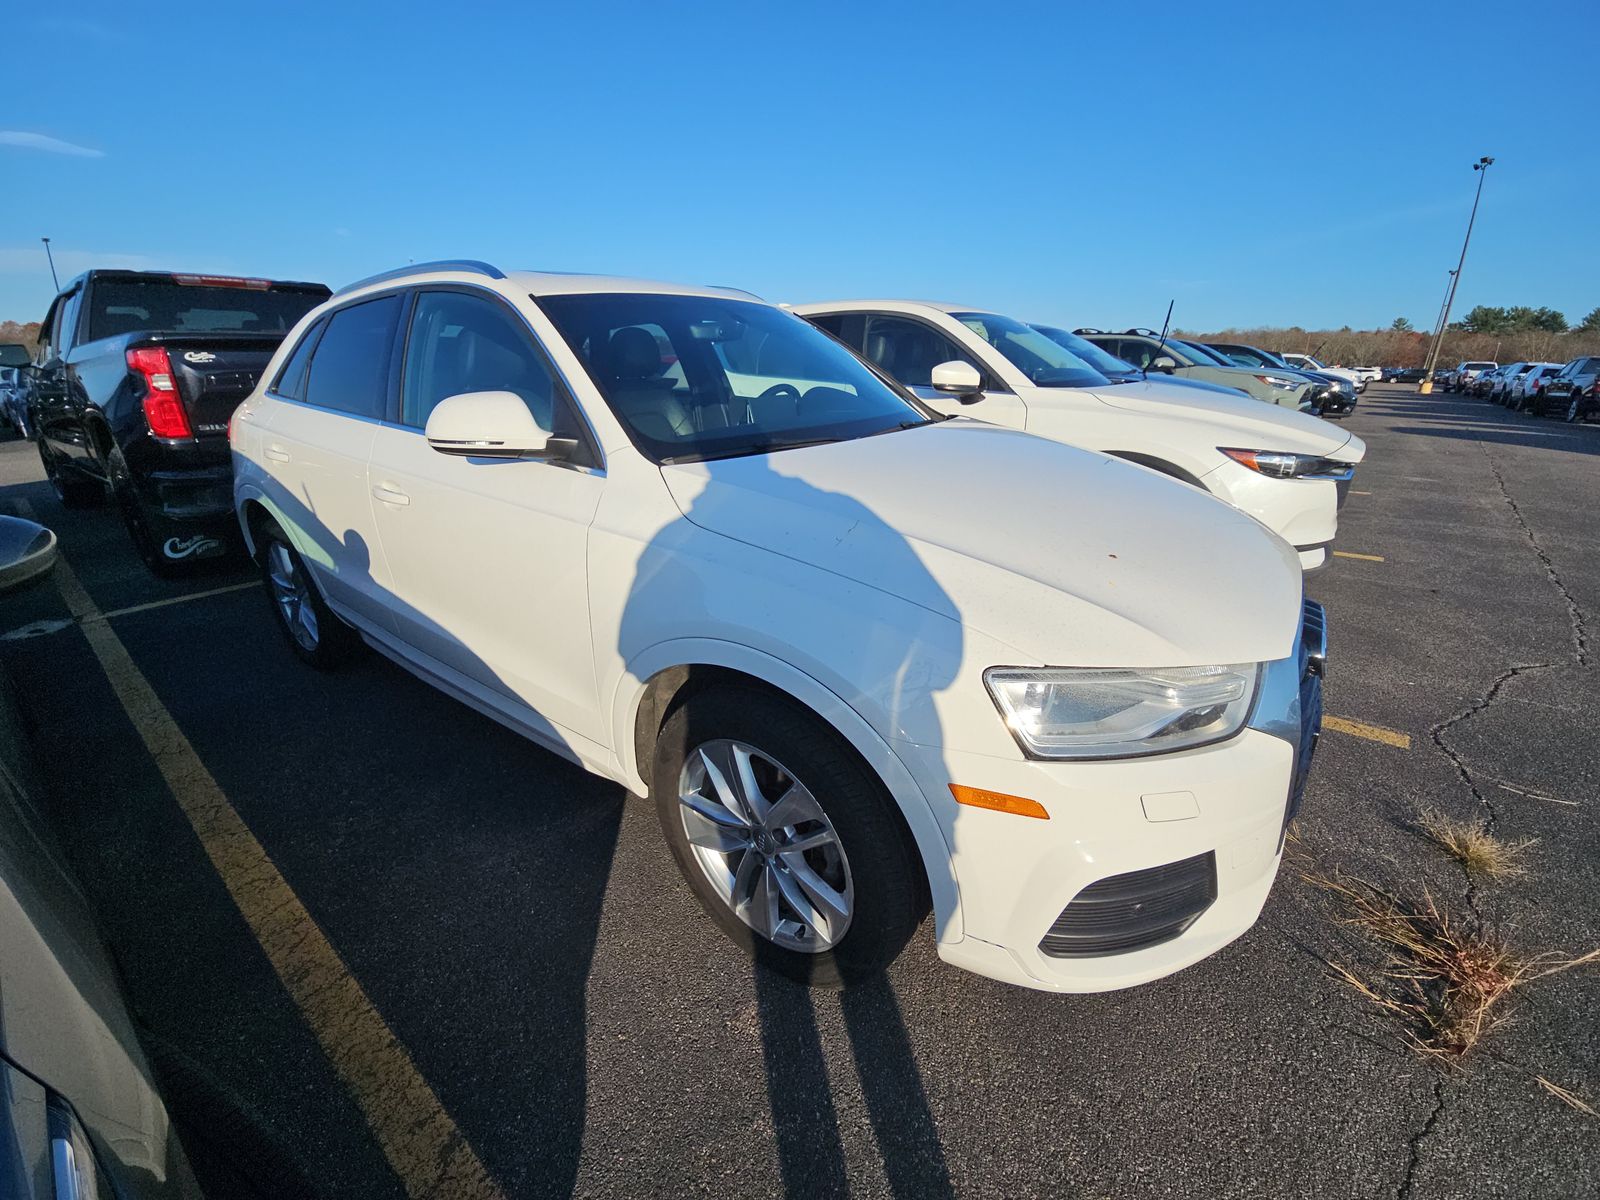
291	384
909	350
350	368
67	330
461	343
834	324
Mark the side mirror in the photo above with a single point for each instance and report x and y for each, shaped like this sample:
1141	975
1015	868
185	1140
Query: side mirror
491	425
14	354
960	379
27	552
1162	362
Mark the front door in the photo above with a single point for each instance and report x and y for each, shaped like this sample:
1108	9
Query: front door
908	350
488	556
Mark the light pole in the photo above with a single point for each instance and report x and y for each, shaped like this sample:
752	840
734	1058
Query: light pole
52	259
1482	167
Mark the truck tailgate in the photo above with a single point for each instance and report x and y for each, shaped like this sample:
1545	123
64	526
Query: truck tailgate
213	372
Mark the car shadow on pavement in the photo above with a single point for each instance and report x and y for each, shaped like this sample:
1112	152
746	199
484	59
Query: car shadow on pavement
804	1118
810	1146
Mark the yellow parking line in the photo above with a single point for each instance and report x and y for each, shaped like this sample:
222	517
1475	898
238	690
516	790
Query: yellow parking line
1362	557
1373	733
423	1145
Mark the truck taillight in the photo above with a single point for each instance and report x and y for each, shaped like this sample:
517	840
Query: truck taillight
163	407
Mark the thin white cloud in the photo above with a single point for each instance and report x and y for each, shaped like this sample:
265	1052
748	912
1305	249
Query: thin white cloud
29	260
38	141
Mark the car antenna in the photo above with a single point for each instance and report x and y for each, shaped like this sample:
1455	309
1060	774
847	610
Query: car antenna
1162	345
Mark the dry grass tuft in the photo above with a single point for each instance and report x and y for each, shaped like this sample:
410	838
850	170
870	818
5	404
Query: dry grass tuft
1447	984
1570	1099
1476	849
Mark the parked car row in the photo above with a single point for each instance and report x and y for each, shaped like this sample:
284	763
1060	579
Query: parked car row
1568	390
885	605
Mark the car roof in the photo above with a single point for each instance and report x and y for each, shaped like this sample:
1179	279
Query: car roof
534	283
888	305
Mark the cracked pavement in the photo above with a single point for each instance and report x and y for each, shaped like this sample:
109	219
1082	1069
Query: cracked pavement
521	929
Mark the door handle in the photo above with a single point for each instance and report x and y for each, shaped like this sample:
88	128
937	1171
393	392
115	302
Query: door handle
276	452
390	494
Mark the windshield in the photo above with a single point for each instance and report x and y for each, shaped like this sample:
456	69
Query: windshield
701	377
160	305
1245	356
1045	362
1202	354
1480	366
1101	360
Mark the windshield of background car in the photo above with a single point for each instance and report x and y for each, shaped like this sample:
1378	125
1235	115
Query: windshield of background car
168	306
1244	356
1044	361
1479	366
698	377
1202	354
1101	360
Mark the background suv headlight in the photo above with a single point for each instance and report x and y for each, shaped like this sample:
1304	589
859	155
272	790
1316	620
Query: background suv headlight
1095	712
1282	464
1280	382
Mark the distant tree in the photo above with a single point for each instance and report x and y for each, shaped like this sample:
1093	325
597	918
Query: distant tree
1401	325
1590	324
28	335
1549	320
1485	319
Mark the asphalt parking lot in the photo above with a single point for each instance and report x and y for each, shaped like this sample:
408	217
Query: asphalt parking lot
510	936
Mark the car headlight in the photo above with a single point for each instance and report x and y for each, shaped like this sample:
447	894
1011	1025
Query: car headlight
1280	382
1282	464
1099	712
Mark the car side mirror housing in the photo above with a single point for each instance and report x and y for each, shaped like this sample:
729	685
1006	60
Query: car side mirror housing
960	379
1163	363
491	425
27	552
14	354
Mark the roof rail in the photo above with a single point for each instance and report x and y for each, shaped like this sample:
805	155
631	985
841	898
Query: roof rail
1087	329
469	265
1142	332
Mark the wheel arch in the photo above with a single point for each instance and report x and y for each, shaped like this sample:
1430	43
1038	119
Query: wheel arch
1161	465
664	674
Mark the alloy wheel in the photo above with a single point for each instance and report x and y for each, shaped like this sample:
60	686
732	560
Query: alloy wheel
292	594
766	846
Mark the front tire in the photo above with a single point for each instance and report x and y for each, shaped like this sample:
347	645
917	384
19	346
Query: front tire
1573	410
786	838
315	634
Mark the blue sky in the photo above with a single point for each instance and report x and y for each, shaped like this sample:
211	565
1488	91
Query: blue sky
1261	164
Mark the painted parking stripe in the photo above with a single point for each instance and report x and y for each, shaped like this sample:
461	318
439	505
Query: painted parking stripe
1373	733
1353	492
1362	557
423	1145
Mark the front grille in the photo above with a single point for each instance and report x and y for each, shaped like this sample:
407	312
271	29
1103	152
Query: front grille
1133	911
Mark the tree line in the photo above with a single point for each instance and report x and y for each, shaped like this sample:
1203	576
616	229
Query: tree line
1516	334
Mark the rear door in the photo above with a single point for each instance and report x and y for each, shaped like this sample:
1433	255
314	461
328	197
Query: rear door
326	408
488	557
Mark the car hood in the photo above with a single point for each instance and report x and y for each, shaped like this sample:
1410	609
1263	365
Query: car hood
1236	417
1069	557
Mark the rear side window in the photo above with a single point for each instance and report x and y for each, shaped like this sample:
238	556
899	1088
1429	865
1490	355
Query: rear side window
291	384
350	367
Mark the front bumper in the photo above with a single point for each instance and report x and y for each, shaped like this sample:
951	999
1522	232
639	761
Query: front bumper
1019	876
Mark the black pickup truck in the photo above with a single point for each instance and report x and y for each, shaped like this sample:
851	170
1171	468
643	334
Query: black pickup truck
135	378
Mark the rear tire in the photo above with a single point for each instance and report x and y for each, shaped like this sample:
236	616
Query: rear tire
858	874
72	489
316	635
